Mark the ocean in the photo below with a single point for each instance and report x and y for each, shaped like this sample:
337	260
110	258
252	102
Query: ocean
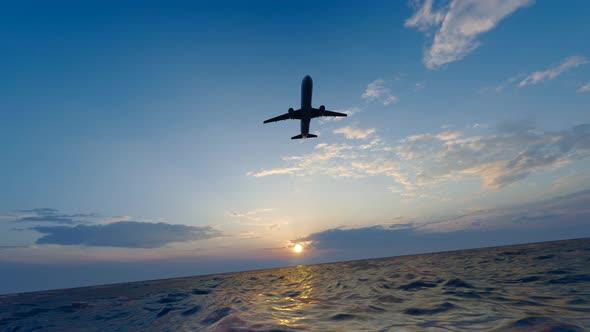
530	287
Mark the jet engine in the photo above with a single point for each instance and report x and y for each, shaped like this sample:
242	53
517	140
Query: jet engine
291	113
322	110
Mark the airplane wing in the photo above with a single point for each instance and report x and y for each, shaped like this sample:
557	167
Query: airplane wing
331	113
317	113
293	115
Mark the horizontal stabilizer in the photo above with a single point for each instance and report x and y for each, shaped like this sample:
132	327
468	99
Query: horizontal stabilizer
301	136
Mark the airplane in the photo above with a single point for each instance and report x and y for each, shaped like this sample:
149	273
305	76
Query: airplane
306	112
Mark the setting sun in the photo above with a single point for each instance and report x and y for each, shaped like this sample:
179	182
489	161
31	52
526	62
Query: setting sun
298	248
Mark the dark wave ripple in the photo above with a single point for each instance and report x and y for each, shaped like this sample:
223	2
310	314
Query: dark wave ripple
533	287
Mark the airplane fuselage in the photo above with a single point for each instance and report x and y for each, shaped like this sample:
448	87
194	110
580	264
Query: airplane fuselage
306	92
306	112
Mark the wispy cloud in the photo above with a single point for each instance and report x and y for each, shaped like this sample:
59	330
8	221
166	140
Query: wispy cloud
340	160
11	247
425	16
551	73
254	215
457	25
276	171
378	90
48	215
576	180
348	111
500	87
118	218
248	235
354	133
478	125
499	156
127	234
584	88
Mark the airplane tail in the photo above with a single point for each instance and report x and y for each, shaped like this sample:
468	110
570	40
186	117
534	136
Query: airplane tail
301	136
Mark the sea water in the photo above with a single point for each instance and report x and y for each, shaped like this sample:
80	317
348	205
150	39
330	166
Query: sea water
532	287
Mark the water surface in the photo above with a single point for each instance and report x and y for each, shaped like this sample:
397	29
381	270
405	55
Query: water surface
532	287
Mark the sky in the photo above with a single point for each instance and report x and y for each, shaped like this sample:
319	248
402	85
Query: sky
133	146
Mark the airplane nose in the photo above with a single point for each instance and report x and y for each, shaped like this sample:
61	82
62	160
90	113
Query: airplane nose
307	78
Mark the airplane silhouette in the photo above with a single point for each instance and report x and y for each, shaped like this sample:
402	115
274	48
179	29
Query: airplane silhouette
306	112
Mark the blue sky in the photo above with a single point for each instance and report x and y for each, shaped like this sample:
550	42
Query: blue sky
132	133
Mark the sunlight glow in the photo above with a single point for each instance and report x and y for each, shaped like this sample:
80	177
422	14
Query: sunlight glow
298	248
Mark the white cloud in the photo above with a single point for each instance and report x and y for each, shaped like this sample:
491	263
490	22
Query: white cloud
274	171
449	135
551	73
354	133
497	89
457	25
499	157
348	111
248	235
117	218
478	125
344	160
379	91
425	17
254	215
584	88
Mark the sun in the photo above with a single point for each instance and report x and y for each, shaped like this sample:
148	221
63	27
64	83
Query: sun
298	248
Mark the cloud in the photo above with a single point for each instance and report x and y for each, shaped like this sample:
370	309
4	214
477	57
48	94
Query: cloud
457	25
52	219
41	211
48	215
559	211
339	160
424	17
497	89
248	235
551	73
478	125
127	234
348	111
500	87
449	135
354	133
577	180
253	215
499	156
379	91
559	217
276	171
118	218
584	88
11	247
